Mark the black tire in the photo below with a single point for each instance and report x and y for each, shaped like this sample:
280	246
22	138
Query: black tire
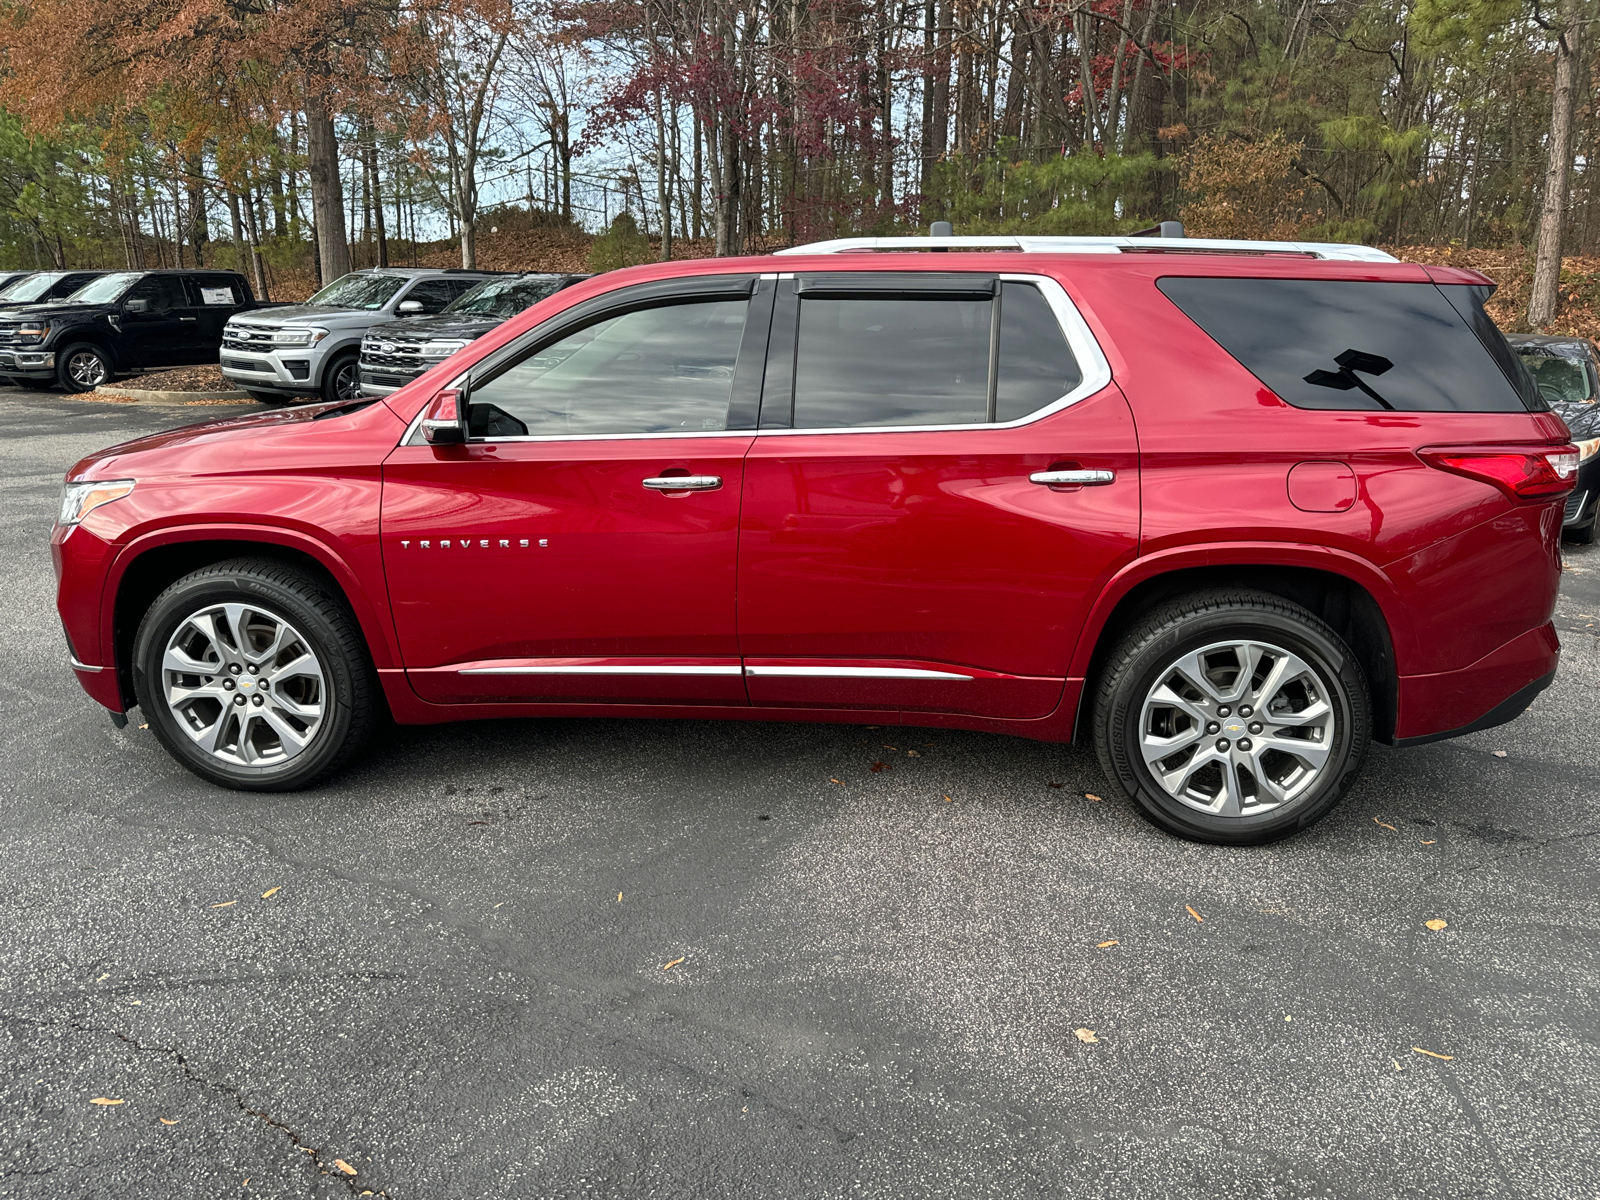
319	618
1150	653
275	399
341	379
82	367
1582	535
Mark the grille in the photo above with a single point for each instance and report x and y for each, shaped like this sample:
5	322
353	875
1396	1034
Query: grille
1574	506
407	356
236	337
8	335
386	380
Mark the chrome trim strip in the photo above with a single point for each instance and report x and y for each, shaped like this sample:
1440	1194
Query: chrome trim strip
78	666
854	673
630	670
1096	377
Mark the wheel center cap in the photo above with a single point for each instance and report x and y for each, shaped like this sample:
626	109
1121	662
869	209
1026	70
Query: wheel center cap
1233	727
247	684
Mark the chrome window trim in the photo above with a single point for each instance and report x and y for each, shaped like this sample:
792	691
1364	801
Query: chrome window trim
1080	340
622	670
855	673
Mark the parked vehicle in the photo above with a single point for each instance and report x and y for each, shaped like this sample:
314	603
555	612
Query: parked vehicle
120	323
312	349
1227	510
1567	373
38	287
393	355
7	278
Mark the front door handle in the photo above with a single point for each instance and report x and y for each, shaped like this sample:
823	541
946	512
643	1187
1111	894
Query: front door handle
188	318
1071	478
683	483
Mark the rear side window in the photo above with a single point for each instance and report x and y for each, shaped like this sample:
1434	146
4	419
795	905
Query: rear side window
1344	344
929	359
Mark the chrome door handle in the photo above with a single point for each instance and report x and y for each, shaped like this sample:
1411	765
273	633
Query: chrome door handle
683	483
188	318
1071	478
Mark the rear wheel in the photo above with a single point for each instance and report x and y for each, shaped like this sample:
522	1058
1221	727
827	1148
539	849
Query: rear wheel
254	676
82	368
1232	717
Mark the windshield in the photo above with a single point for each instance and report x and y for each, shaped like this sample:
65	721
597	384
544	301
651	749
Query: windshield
369	292
105	289
1560	380
30	287
503	298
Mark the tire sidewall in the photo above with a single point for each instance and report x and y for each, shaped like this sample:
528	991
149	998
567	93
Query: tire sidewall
191	595
1336	669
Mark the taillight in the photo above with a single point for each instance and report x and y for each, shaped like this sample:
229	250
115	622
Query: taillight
1520	473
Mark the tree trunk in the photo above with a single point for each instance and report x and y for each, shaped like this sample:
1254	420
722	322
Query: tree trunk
1552	220
327	193
663	187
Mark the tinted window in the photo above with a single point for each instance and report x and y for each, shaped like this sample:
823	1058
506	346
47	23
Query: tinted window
71	283
891	361
157	294
434	294
506	297
31	287
1350	345
1037	366
656	370
215	291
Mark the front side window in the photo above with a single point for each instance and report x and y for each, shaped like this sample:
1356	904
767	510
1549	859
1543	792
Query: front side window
926	359
651	371
156	294
366	292
435	294
1346	344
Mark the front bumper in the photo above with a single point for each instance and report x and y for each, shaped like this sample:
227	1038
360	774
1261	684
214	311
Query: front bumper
28	364
81	560
385	381
293	370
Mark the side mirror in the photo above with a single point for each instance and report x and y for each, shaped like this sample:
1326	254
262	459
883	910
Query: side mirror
444	423
136	306
409	308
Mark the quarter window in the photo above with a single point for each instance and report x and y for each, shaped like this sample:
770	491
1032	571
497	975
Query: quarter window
926	359
651	371
1346	344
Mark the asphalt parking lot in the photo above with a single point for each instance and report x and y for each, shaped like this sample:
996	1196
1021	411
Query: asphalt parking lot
442	975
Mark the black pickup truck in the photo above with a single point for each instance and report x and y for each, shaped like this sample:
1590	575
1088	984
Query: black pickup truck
120	324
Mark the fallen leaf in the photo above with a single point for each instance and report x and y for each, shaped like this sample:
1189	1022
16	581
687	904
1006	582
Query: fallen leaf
1287	1017
1054	785
672	964
1431	1054
881	766
477	822
947	800
498	905
246	1182
344	1166
135	1001
225	904
1434	842
1498	753
831	779
886	746
913	753
1194	914
619	897
1396	1063
270	893
104	1100
1103	945
1091	796
1385	824
1086	1035
164	1121
1436	924
104	977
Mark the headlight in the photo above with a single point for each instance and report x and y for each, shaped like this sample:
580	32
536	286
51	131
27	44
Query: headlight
1588	449
78	500
443	349
33	333
298	337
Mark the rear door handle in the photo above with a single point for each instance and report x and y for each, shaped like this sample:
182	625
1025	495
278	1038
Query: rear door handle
683	483
1071	478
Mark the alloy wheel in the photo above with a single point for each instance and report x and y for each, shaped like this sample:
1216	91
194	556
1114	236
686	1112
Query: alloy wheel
244	684
1237	728
87	369
347	381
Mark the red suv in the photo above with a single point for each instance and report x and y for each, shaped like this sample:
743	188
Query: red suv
1228	510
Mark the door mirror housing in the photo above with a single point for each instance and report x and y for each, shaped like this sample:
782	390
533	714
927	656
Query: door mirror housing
444	423
409	308
136	306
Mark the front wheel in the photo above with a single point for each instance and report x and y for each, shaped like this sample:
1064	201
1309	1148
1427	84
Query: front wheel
1232	717
254	676
342	379
82	368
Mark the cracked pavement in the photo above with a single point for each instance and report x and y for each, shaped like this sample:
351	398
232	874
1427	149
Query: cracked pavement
879	991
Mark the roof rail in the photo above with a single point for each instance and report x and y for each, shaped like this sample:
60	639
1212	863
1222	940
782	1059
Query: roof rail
1098	245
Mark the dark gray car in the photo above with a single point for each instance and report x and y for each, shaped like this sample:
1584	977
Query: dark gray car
1567	370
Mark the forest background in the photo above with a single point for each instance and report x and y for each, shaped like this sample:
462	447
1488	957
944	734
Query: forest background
296	139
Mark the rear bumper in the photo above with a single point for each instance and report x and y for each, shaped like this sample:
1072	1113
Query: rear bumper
1490	692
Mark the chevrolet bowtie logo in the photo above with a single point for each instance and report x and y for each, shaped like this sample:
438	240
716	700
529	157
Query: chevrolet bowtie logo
469	543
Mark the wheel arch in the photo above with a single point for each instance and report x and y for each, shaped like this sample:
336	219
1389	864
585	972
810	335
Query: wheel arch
91	337
1346	603
149	566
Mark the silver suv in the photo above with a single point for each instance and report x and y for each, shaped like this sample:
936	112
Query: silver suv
313	349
